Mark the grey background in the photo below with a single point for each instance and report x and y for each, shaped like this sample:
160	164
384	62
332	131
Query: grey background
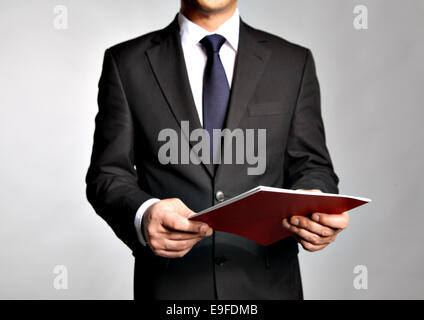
372	94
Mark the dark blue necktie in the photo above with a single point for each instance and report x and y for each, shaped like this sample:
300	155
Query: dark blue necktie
216	90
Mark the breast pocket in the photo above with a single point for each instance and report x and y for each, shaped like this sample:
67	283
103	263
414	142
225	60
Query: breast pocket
267	109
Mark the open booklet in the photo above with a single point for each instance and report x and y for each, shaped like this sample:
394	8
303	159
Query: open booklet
257	214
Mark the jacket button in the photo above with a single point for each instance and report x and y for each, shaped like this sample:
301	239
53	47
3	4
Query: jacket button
219	261
220	196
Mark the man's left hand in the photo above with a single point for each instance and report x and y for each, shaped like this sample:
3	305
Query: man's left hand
318	230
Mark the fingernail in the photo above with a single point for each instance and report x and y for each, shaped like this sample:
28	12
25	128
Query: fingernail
286	224
295	221
315	216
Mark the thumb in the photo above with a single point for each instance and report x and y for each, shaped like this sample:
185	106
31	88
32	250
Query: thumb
182	209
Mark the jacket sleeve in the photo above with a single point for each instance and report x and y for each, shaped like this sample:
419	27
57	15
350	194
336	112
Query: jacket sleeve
112	187
308	164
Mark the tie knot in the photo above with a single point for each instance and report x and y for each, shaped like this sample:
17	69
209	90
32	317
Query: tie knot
212	43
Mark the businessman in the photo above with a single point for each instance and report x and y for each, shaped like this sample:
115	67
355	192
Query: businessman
209	69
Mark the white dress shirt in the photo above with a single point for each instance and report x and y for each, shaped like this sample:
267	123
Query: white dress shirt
195	59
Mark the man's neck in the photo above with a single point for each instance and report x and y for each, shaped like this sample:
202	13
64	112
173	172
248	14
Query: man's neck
209	21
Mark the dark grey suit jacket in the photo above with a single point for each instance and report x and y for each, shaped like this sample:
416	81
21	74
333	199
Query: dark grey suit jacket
144	88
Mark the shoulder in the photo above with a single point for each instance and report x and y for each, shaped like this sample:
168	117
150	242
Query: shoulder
276	44
139	45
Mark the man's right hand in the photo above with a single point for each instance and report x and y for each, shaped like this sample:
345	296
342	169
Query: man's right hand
168	231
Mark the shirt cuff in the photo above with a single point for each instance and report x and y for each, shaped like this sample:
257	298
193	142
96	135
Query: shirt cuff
138	221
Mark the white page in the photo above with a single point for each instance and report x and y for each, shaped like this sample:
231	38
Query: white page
280	190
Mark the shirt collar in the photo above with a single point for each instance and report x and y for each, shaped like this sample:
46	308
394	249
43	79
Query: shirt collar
192	33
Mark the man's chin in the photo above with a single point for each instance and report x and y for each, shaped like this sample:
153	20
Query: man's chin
212	5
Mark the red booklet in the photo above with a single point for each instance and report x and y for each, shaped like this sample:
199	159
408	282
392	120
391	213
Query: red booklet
257	214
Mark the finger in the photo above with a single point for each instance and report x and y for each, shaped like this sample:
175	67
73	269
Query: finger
180	236
311	247
186	212
311	237
336	221
286	223
312	226
308	225
204	231
176	222
158	243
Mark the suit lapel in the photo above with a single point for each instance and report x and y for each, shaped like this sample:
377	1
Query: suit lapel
252	58
168	64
